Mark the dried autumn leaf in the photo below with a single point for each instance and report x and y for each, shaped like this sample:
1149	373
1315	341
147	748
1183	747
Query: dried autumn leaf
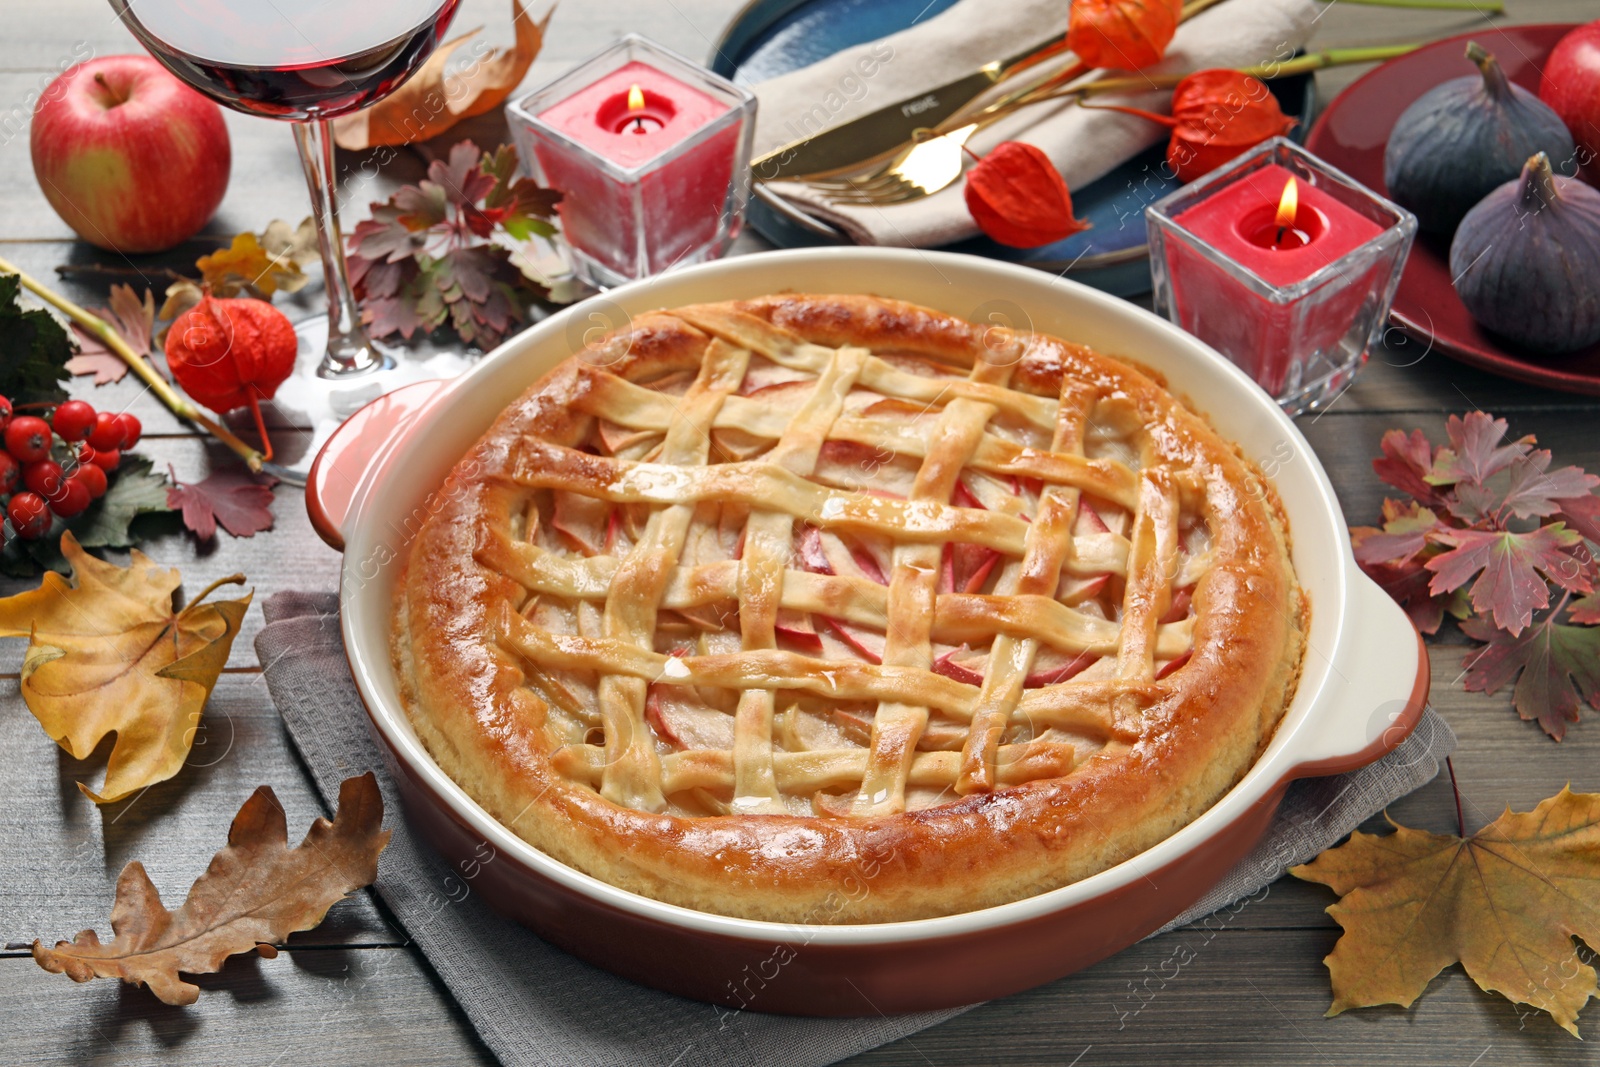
1122	34
1016	196
133	320
1504	903
107	653
433	100
240	501
257	891
248	266
296	246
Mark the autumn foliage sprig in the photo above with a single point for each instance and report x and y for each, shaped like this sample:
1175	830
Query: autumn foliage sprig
439	252
1493	514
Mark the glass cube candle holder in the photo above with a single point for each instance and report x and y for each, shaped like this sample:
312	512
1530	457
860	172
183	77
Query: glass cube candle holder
1284	265
651	153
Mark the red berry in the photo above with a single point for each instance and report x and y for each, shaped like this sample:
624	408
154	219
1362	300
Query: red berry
5	413
72	499
10	474
131	429
28	438
106	433
107	459
30	516
73	420
43	477
91	476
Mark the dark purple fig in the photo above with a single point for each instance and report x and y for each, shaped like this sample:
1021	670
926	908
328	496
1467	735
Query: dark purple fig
1527	260
1460	140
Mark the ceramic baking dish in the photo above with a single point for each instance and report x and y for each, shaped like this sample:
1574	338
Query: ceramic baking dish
1363	688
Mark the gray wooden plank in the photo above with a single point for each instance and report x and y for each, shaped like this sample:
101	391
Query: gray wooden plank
1227	997
63	853
333	1007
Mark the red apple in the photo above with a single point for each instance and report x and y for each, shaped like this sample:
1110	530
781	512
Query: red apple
133	159
1571	86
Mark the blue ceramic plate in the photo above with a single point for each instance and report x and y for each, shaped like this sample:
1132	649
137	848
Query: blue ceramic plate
772	37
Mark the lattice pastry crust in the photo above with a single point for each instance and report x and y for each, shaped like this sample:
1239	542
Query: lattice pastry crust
837	609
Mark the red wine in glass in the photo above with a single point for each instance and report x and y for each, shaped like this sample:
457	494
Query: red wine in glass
290	59
305	61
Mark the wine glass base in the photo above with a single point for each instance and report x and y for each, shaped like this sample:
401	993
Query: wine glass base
307	399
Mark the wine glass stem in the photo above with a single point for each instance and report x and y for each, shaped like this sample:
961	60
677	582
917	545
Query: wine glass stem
349	351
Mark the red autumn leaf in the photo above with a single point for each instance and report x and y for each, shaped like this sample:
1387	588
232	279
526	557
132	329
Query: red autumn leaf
133	321
1559	667
1582	513
1405	463
1122	34
1016	196
1512	563
1475	453
1587	610
1536	491
239	501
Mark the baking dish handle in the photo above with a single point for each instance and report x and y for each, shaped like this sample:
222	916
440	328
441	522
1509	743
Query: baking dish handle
353	448
1381	686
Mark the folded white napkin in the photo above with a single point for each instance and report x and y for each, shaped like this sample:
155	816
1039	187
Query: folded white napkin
1084	144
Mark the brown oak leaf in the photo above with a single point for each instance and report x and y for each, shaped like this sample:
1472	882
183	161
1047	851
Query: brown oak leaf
1505	903
256	892
239	501
132	318
107	653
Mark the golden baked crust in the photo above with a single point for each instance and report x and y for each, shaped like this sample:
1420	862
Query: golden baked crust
640	625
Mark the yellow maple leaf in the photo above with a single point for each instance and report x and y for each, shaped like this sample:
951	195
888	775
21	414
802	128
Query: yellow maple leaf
249	266
107	653
1504	903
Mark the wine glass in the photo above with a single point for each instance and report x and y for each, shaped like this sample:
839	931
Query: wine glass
305	61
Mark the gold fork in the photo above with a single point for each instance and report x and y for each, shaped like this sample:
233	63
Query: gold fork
931	163
934	161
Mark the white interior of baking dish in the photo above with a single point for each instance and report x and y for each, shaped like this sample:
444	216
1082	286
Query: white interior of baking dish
1361	658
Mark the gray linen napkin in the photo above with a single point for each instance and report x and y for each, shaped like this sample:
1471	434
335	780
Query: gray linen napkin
533	1004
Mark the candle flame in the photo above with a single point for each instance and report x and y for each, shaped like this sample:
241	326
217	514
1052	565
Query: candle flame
1288	205
635	99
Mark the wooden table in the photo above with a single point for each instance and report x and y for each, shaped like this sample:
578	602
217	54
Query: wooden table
353	992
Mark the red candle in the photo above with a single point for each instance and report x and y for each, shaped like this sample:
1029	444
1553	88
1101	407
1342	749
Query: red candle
1283	230
632	118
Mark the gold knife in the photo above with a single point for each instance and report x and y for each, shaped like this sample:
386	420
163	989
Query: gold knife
856	143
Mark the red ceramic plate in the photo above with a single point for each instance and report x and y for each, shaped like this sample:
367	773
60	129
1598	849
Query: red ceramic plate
1351	135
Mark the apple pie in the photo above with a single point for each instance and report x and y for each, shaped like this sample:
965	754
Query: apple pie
835	609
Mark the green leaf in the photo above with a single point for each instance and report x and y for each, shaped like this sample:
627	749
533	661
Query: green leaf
34	349
136	490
